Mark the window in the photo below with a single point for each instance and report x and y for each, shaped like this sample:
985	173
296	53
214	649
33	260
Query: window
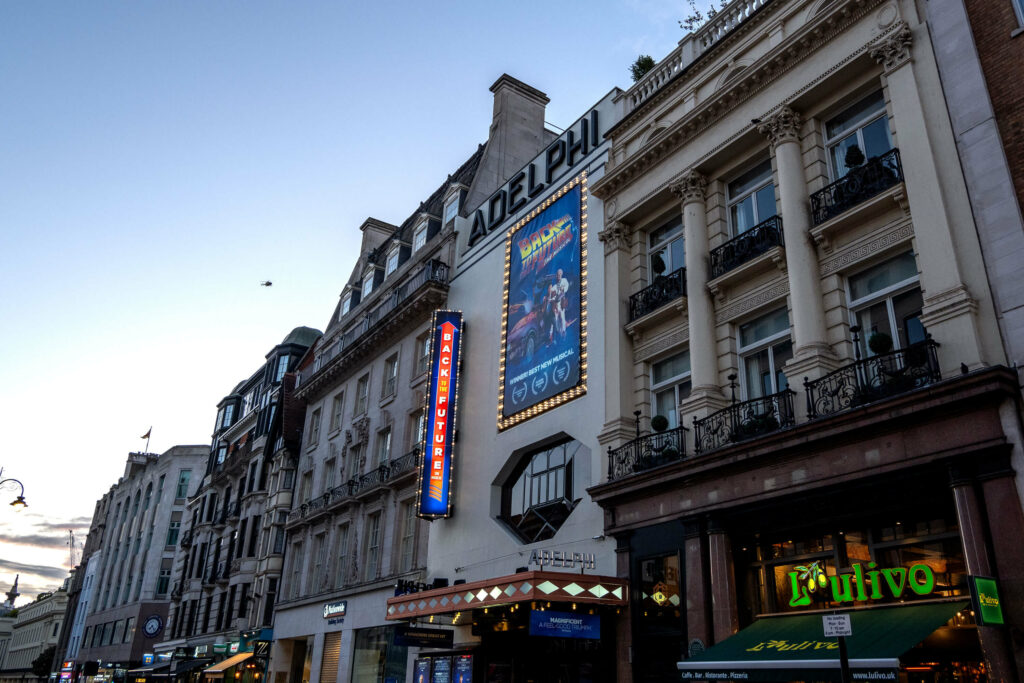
306	487
341	555
864	125
337	405
764	349
229	414
422	353
368	283
314	428
279	535
392	262
419	238
372	555
416	421
163	581
296	589
751	198
243	601
670	384
182	490
254	530
129	630
390	376
1018	6
538	497
383	453
346	303
886	299
408	545
355	453
667	252
282	367
329	474
362	394
160	488
316	569
173	529
451	210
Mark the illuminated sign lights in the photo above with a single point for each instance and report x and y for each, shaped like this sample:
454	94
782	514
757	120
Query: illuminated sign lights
580	388
805	581
435	474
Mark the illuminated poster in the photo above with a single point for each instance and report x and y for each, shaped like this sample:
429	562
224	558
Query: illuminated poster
543	361
442	395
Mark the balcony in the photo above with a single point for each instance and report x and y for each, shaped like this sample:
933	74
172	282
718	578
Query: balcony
746	246
647	452
744	420
186	539
664	289
873	379
863	182
403	465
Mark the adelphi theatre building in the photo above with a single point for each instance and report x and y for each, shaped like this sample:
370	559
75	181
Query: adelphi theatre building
524	582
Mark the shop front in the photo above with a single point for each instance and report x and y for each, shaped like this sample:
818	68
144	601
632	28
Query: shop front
542	626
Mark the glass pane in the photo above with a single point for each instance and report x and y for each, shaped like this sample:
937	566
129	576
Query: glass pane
759	175
674	366
677	255
673	226
876	137
907	311
882	276
743	215
765	201
761	328
683	390
855	114
839	154
873	319
781	353
665	404
758	374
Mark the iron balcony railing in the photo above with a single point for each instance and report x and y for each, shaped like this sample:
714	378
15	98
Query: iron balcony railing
744	420
873	379
186	539
746	246
646	452
664	289
406	463
875	175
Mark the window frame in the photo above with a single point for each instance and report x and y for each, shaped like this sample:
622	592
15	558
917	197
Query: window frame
731	201
409	533
673	383
382	454
372	554
419	237
391	263
366	285
886	295
346	304
451	209
314	427
423	346
857	127
362	400
769	342
665	245
341	553
390	384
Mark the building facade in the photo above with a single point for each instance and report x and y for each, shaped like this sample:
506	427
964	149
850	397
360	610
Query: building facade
230	554
802	305
35	628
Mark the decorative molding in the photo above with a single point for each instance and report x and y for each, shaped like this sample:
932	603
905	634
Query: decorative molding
947	305
661	343
750	302
894	51
616	237
362	429
692	187
782	126
844	258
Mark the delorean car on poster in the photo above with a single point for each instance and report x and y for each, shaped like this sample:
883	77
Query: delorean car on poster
543	334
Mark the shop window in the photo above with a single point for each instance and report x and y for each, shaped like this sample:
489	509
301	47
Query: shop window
375	656
661	590
539	495
337	405
390	376
765	347
362	394
670	384
886	299
666	248
864	125
751	198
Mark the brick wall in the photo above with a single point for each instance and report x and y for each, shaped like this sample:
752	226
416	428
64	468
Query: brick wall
1002	60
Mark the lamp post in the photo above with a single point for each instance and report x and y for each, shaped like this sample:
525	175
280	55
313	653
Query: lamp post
18	502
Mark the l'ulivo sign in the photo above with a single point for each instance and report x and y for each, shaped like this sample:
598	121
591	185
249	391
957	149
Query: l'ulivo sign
861	585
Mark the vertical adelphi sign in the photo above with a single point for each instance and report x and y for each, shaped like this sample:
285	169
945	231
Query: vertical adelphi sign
435	475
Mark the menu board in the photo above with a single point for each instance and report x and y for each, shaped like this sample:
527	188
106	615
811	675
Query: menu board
442	670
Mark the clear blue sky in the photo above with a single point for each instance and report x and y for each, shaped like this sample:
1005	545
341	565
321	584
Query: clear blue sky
159	159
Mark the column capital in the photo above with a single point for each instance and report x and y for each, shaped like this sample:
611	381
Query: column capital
616	237
692	187
893	51
782	126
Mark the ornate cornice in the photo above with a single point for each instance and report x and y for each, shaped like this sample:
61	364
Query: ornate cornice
894	51
692	187
782	126
616	237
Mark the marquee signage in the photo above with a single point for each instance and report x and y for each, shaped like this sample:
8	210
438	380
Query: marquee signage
565	625
544	322
861	585
562	558
559	158
435	476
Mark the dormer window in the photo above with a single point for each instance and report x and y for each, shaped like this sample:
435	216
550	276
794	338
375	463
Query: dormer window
282	367
367	283
419	238
392	264
451	210
229	415
346	303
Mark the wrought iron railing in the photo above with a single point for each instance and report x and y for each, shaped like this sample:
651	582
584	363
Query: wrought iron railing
186	539
873	379
875	175
744	420
746	246
375	477
664	289
406	463
646	452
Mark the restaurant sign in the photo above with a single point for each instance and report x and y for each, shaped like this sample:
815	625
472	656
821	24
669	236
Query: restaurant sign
986	601
863	583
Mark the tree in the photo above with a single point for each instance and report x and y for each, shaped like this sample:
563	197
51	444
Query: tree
641	66
41	664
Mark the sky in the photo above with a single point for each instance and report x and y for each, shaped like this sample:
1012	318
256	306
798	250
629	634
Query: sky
159	160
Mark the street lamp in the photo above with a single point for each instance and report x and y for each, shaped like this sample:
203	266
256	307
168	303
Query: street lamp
18	502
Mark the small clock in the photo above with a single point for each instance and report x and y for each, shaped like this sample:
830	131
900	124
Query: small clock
153	625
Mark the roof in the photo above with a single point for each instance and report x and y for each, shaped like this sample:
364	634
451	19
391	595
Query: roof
303	336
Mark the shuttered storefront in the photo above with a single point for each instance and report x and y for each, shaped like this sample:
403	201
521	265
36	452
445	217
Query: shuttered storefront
332	651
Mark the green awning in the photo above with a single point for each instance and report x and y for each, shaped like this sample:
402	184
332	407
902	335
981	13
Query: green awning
781	648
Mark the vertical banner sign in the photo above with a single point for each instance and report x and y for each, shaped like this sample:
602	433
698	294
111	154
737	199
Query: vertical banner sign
435	477
544	323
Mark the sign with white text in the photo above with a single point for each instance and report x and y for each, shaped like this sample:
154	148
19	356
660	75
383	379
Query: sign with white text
836	625
434	499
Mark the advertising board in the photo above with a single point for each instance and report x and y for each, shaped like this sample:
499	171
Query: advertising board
435	474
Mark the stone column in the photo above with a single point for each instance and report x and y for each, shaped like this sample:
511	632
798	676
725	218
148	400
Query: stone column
949	310
695	598
723	584
971	521
706	393
812	354
618	347
624	621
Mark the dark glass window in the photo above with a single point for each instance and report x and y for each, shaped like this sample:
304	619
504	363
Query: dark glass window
539	496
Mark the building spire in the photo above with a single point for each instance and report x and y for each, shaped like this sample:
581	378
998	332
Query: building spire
13	594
